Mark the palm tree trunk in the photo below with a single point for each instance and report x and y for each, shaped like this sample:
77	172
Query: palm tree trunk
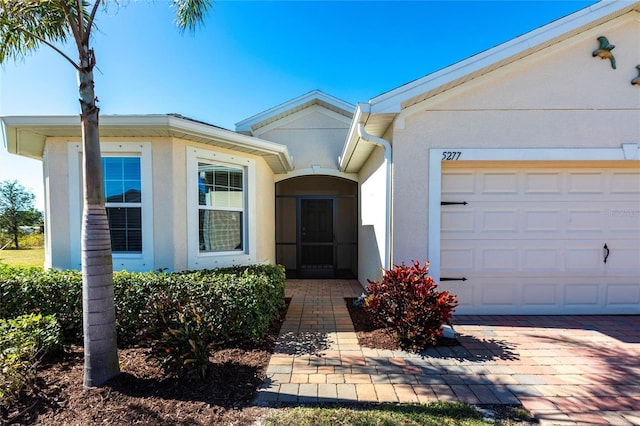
100	346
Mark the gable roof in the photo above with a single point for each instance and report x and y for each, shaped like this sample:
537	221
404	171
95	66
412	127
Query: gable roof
26	135
378	114
501	55
315	97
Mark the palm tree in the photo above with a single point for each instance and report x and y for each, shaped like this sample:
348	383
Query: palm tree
25	25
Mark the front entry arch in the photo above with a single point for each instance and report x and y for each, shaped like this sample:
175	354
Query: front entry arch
316	227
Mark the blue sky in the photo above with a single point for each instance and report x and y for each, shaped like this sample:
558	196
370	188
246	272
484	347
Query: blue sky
251	56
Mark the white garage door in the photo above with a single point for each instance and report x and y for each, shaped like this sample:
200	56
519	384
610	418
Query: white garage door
531	240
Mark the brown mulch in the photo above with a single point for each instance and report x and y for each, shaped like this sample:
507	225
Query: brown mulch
144	394
371	336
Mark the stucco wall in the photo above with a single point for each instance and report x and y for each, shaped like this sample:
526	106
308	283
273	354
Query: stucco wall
56	194
170	202
265	201
559	97
314	136
372	223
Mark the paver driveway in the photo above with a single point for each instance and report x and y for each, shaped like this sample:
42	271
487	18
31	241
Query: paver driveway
564	369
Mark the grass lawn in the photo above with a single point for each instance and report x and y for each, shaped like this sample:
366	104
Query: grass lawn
27	257
435	414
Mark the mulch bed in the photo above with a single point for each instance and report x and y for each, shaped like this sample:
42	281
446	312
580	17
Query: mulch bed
369	335
143	394
372	336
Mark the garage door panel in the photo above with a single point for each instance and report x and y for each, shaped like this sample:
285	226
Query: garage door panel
540	294
581	294
543	220
504	183
498	258
459	183
620	219
625	183
584	258
623	294
543	183
542	259
499	220
458	221
531	241
584	220
623	257
464	294
458	258
496	294
586	183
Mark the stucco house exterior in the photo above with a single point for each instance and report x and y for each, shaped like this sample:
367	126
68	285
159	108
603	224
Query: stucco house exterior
516	173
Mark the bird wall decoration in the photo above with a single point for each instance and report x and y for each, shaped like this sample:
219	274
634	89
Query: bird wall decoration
604	51
636	81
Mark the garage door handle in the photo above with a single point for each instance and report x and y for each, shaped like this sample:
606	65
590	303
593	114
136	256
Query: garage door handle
606	252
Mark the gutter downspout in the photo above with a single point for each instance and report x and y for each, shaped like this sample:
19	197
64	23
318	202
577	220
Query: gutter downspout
388	159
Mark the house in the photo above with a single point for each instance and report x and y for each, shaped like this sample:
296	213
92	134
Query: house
516	173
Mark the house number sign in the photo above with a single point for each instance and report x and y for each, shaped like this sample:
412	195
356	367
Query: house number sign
451	155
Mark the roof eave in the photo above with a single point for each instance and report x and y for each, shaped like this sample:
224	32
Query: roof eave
355	149
26	135
256	121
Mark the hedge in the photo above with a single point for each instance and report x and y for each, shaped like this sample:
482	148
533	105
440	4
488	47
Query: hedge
239	302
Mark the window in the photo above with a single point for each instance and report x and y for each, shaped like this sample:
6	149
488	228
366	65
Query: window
221	202
123	201
221	209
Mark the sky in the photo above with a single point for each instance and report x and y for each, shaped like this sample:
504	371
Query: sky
250	56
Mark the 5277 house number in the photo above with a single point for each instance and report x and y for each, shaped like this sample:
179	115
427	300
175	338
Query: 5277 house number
451	155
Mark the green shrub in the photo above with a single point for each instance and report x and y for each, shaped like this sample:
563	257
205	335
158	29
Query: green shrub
224	305
194	311
132	292
408	301
34	239
23	342
52	292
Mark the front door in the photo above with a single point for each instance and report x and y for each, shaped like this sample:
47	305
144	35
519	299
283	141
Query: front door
316	248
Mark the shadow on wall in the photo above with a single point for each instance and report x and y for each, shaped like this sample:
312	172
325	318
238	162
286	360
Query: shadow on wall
370	256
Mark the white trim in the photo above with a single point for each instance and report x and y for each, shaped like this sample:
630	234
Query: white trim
196	259
247	124
496	154
316	171
281	123
121	261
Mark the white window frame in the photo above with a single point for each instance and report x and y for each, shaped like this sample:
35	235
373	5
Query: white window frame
124	204
209	260
135	262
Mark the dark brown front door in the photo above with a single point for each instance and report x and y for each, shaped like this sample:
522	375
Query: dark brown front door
317	251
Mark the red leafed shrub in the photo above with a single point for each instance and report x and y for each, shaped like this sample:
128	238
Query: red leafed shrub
408	301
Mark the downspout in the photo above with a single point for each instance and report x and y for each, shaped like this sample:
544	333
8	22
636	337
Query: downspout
362	133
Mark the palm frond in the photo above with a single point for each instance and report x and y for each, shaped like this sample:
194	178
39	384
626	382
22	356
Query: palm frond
191	13
25	25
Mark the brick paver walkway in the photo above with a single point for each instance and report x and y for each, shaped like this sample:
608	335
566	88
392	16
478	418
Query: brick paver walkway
564	369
